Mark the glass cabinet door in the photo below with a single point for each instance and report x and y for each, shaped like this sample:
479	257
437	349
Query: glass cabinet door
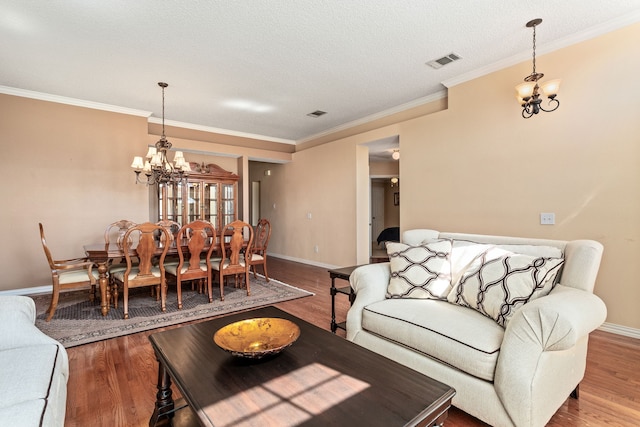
227	202
210	203
194	206
173	202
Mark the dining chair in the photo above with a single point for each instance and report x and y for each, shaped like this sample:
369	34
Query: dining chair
114	233
195	243
145	273
171	226
68	274
258	254
235	238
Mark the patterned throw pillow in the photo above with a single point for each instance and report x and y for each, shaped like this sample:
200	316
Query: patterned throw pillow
422	271
499	282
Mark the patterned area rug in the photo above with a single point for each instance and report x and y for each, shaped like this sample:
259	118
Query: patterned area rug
78	321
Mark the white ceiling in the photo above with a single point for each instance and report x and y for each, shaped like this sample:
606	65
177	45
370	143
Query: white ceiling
258	67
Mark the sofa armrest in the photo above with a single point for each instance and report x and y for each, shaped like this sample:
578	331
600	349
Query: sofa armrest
543	354
369	283
17	323
17	308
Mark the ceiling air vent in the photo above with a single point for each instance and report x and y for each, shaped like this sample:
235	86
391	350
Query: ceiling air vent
441	62
317	113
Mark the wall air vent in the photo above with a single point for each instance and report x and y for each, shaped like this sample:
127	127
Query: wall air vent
317	113
441	62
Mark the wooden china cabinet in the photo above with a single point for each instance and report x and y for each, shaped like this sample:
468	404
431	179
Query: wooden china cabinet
210	194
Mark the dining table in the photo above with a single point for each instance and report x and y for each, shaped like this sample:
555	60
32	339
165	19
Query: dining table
102	254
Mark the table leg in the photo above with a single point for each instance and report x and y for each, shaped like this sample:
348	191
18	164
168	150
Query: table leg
164	408
104	288
333	304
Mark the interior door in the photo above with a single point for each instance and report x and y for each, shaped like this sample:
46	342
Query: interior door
377	210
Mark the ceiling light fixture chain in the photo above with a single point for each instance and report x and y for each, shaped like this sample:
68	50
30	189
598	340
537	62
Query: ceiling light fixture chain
530	92
533	56
157	167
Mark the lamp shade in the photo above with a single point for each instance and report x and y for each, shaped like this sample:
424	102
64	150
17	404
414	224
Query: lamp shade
137	163
156	160
551	87
525	90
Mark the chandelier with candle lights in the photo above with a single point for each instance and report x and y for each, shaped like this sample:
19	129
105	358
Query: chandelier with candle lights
157	168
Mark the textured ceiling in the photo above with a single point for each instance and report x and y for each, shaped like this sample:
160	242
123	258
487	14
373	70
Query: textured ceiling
258	67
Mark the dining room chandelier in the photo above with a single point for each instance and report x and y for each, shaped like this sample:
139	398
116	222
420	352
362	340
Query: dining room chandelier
530	92
157	168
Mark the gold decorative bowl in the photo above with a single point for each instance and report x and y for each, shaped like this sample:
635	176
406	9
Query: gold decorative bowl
257	338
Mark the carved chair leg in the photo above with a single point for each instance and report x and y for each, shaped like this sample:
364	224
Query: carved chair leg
92	293
576	392
125	300
221	282
54	300
179	291
114	294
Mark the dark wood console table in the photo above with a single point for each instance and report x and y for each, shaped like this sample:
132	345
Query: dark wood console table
340	273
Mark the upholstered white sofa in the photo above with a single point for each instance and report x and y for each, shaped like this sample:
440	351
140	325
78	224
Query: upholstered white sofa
456	307
33	369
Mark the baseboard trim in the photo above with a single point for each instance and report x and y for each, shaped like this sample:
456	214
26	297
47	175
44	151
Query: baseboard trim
305	261
28	291
620	330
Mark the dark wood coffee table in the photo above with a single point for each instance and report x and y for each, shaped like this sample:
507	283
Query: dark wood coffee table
321	380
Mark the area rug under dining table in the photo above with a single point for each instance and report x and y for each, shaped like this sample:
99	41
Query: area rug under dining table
78	321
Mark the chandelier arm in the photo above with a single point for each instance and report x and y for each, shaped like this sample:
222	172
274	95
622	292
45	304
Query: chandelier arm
526	113
550	103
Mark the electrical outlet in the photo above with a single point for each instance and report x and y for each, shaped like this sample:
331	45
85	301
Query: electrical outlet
547	218
316	249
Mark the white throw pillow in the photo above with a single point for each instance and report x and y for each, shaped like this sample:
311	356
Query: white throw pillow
422	271
499	282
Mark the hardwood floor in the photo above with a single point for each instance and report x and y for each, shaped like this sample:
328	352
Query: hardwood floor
113	382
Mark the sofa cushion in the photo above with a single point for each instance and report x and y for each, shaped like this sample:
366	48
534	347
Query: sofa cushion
455	335
27	413
422	271
498	282
27	373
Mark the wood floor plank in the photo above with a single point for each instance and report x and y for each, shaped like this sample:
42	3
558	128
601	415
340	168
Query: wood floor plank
113	382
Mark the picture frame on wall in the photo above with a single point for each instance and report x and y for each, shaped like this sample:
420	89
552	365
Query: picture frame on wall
396	199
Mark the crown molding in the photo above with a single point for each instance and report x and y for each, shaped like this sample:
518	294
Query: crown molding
397	109
72	101
210	129
593	32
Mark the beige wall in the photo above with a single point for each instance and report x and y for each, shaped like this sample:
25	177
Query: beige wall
320	182
498	172
69	168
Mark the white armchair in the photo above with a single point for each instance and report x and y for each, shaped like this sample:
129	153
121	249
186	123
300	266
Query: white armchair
529	368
